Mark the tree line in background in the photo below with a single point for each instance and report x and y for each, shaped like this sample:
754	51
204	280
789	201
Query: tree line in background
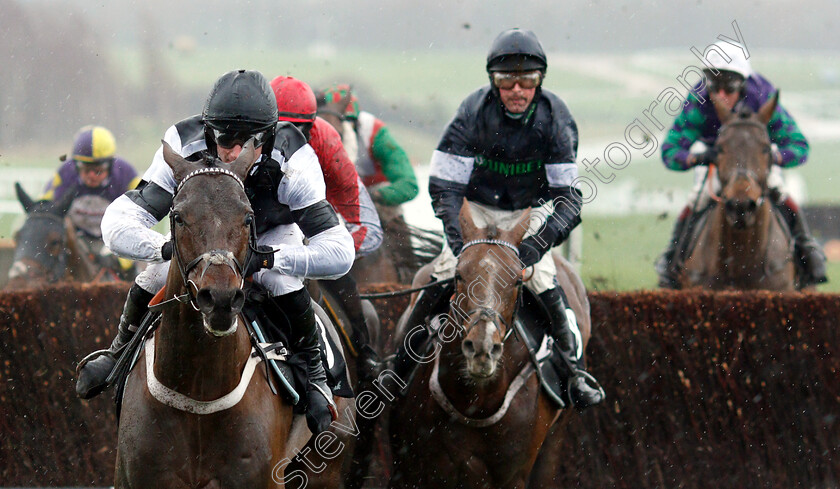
57	77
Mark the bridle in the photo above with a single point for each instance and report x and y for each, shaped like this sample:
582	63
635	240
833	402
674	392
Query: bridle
212	257
739	172
488	312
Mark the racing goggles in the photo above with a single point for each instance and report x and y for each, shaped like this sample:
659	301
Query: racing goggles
728	82
95	168
507	80
229	139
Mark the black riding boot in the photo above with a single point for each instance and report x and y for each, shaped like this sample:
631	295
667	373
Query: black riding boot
413	344
321	410
665	264
93	373
565	355
345	290
808	252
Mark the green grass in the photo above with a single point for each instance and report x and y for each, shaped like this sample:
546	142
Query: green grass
618	252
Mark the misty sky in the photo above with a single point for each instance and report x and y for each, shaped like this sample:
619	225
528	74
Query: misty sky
576	25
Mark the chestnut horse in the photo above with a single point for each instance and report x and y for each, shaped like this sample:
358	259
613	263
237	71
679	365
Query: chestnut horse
744	243
190	416
476	416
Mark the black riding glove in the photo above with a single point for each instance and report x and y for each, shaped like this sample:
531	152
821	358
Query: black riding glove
706	158
529	253
262	257
166	251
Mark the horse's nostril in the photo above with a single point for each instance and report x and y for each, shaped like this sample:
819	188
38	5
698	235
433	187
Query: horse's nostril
469	347
496	351
238	300
731	205
752	205
204	299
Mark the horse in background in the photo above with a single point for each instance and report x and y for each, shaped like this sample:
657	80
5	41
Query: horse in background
744	243
476	415
50	248
46	246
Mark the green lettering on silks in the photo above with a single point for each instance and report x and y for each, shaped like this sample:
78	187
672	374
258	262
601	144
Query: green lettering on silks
509	169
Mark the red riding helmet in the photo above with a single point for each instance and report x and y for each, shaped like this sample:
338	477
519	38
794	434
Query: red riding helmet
295	100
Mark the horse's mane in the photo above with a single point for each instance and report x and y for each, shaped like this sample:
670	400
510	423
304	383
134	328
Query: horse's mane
209	161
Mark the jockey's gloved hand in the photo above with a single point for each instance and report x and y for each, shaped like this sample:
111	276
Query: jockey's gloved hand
166	251
707	157
529	252
262	257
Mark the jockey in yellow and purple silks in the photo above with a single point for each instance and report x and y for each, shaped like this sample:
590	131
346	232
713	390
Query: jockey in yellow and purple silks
97	176
93	168
735	85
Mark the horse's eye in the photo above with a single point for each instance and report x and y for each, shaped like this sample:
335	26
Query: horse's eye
178	219
249	219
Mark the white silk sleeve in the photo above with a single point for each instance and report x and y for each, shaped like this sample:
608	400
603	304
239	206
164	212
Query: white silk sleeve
126	231
329	255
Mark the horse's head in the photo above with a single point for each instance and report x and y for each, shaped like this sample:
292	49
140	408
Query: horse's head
744	161
487	283
41	243
211	222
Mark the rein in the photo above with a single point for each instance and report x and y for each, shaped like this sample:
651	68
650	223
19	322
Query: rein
397	293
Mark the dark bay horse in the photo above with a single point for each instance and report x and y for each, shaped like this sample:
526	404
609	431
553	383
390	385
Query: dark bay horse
744	243
198	421
475	416
47	249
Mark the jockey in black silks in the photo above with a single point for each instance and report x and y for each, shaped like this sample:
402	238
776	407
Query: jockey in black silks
512	146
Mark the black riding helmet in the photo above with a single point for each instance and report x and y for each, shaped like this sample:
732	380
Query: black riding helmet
240	101
516	50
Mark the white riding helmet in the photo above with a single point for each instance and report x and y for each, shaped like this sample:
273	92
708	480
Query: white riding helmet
737	61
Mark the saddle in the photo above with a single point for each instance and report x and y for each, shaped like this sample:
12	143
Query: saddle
269	333
531	324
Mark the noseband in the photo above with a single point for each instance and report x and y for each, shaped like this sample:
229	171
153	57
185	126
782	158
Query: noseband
482	311
212	257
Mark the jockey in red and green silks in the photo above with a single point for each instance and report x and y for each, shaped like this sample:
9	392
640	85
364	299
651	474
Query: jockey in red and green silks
381	162
736	86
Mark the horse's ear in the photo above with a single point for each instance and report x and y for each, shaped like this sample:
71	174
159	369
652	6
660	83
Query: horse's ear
24	198
180	166
61	207
765	113
722	112
517	233
469	231
246	159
